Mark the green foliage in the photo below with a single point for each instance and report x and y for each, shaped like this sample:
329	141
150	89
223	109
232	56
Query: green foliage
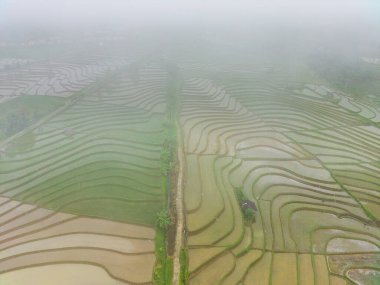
163	220
159	269
169	148
240	195
249	214
184	260
169	270
163	271
243	252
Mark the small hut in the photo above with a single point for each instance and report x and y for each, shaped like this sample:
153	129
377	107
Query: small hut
247	204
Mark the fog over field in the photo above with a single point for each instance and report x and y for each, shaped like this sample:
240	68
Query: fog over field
351	25
190	142
363	15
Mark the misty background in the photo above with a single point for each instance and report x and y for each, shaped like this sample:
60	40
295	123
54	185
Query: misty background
331	37
323	16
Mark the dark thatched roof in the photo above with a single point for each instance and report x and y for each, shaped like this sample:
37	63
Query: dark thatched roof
246	204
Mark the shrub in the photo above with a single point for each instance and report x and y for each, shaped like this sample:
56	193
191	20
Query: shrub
249	214
163	219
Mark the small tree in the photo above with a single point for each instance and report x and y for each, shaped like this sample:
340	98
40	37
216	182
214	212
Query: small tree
240	195
249	214
163	219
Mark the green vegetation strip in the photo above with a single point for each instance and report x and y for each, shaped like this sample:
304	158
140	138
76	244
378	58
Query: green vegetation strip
184	259
163	272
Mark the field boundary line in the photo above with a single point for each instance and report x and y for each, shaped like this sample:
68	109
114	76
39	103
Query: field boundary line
179	238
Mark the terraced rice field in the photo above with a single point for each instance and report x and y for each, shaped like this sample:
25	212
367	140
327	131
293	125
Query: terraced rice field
79	194
59	78
81	188
306	155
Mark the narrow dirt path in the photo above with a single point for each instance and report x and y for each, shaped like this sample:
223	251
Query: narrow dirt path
179	238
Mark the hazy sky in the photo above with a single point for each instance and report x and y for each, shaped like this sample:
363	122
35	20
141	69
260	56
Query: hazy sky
337	21
146	11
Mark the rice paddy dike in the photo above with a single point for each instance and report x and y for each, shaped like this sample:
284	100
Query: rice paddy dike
105	144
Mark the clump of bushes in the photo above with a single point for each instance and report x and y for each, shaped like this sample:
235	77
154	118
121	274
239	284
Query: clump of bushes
163	220
249	214
162	273
247	207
